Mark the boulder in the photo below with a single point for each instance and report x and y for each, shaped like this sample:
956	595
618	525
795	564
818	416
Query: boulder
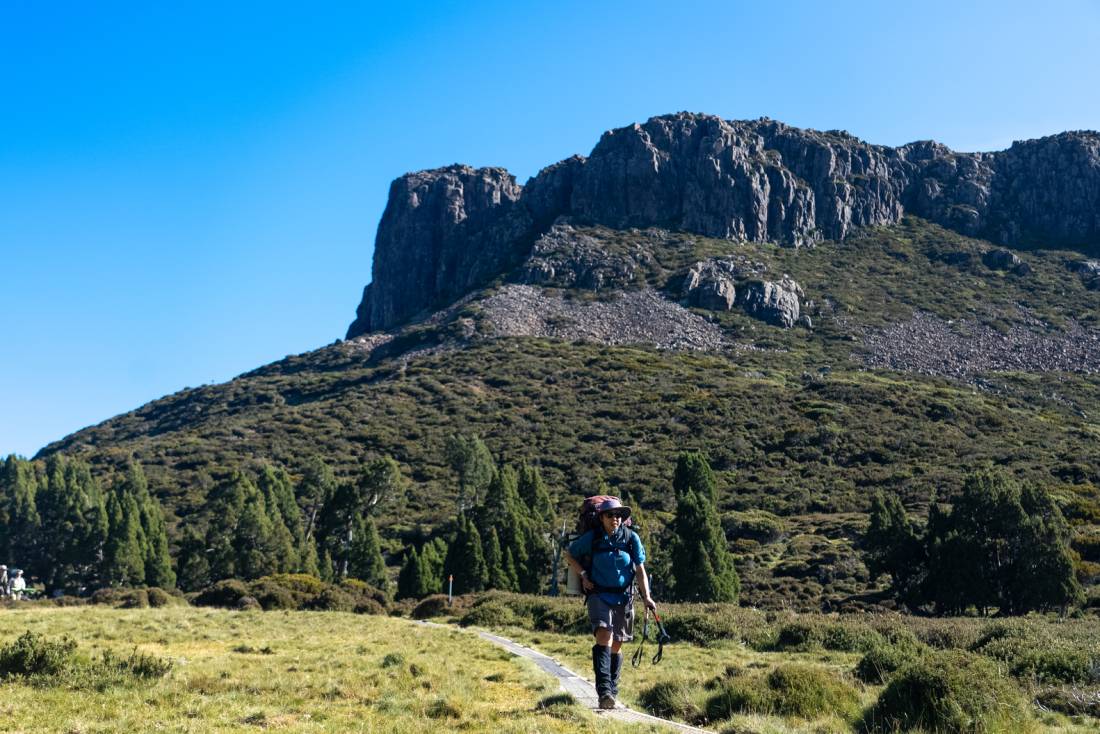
776	303
1005	260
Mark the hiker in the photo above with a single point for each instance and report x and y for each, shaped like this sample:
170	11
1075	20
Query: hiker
18	585
3	580
617	559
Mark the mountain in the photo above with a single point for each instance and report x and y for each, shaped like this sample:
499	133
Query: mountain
823	317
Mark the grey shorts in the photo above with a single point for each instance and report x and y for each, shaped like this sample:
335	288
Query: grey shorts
618	619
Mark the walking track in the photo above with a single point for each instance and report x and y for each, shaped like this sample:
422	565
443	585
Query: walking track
576	686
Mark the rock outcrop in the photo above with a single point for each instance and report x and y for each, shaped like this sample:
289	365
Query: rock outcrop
776	303
722	284
565	258
448	230
443	232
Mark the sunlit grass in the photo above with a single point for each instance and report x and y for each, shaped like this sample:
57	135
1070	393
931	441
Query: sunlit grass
294	671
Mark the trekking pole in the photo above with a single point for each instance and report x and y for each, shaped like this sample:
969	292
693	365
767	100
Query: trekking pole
636	658
662	638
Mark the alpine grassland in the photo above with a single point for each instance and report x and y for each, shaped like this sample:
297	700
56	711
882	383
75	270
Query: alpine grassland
191	669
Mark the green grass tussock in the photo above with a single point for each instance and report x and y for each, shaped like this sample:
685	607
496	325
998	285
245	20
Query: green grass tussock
879	663
672	699
796	690
950	692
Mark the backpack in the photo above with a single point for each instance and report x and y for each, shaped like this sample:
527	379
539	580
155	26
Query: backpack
589	519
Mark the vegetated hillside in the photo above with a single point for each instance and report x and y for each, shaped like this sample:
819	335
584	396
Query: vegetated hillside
802	424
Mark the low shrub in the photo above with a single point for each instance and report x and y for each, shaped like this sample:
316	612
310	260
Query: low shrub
123	598
494	614
158	597
136	664
134	599
393	659
572	619
248	604
367	605
332	599
271	595
798	637
1071	700
673	699
363	590
34	655
224	593
47	662
431	606
105	595
295	591
1033	653
878	663
948	692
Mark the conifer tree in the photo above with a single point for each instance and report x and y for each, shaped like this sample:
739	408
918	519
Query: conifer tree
999	548
316	488
158	560
125	549
533	492
192	562
494	563
701	566
465	560
472	462
893	546
240	538
413	581
503	509
433	554
693	472
73	529
327	568
367	563
19	520
284	517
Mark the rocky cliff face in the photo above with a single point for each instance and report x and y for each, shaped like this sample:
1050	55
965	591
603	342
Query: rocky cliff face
443	232
448	230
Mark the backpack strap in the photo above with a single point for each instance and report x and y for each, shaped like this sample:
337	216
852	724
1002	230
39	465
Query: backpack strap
604	543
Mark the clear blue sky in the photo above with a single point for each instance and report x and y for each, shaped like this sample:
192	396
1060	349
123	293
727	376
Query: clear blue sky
191	190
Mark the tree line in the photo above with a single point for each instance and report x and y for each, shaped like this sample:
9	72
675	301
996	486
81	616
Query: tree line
998	546
76	533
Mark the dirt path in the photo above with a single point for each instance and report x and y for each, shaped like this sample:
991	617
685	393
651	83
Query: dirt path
573	684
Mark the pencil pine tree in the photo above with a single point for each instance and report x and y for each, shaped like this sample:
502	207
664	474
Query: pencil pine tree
701	566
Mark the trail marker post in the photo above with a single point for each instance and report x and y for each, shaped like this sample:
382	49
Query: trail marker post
450	587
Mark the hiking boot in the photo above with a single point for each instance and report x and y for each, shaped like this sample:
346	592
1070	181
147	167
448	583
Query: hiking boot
607	701
616	669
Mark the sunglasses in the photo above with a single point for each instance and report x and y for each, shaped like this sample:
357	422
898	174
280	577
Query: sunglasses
620	515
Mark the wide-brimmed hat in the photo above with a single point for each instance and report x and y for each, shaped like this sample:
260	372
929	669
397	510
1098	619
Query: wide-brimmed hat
613	504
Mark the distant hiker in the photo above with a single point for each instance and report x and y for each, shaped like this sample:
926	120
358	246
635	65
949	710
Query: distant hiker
3	580
18	585
616	558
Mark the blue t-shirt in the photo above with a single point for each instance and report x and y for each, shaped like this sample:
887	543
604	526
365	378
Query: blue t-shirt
611	567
